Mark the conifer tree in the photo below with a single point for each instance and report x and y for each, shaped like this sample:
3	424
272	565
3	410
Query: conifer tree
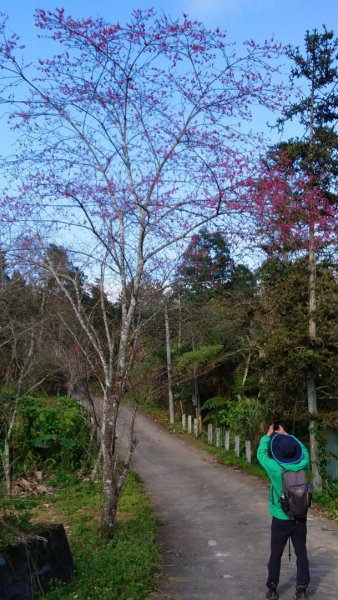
316	155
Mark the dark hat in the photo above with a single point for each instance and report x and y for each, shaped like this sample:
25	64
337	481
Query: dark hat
286	448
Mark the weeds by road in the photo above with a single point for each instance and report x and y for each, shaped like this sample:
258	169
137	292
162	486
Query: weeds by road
123	568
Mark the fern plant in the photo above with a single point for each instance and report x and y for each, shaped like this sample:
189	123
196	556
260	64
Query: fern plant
216	408
195	359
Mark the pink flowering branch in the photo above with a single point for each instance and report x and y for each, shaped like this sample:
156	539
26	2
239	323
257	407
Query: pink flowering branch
290	208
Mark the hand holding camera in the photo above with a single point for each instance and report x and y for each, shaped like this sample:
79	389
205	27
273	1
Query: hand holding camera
276	427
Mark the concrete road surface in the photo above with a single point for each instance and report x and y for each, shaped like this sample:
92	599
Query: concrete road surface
215	526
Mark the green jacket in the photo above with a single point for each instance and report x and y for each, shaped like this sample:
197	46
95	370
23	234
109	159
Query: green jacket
274	471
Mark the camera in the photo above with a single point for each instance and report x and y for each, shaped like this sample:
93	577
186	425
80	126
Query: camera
276	424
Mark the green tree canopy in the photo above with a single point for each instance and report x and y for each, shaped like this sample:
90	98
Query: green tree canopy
206	268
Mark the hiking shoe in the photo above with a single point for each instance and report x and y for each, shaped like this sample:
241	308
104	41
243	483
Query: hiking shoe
300	592
271	594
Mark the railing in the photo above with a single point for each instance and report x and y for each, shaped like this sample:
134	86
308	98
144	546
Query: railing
218	437
221	438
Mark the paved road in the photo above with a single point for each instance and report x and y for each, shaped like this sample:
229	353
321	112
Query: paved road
215	526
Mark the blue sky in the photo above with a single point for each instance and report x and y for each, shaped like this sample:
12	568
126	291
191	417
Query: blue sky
287	20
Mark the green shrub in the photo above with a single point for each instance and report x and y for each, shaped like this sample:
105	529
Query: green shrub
15	515
243	416
215	410
51	434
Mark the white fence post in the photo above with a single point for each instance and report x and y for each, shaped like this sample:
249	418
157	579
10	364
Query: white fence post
196	427
189	423
210	433
237	445
184	422
218	437
227	440
248	453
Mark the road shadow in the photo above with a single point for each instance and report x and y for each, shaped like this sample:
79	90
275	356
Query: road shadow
322	563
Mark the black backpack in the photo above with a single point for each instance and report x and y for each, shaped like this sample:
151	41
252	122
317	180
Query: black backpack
296	496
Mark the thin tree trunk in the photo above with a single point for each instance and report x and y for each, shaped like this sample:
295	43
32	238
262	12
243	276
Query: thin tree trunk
179	342
312	290
311	378
110	497
198	402
197	393
312	405
246	371
169	367
113	478
7	462
108	471
96	467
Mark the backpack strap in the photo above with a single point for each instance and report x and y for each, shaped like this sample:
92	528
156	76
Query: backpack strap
274	494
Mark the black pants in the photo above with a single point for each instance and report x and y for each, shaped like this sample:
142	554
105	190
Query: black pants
281	531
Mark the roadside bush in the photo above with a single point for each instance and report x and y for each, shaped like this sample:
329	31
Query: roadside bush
215	411
51	434
243	416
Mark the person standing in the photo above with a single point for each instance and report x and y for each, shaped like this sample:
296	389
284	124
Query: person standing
277	452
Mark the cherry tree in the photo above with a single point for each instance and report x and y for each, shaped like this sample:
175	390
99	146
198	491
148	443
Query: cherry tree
128	139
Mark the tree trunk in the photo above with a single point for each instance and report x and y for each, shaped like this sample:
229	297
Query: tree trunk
312	405
7	448
179	341
109	495
6	459
96	467
109	471
114	475
169	367
246	371
70	388
197	403
311	378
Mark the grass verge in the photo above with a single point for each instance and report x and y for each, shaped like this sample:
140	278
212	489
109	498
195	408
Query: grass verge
325	503
123	568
